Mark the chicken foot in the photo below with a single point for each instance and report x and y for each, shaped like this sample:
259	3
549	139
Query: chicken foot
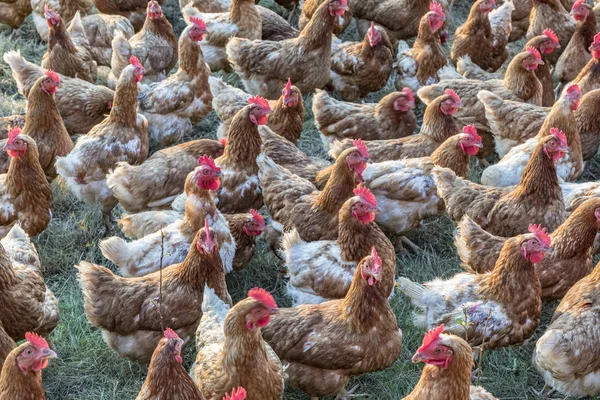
401	241
349	394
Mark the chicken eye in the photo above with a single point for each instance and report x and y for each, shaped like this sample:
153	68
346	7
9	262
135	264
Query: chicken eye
438	350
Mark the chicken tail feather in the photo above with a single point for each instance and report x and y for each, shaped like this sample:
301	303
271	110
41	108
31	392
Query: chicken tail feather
115	249
414	290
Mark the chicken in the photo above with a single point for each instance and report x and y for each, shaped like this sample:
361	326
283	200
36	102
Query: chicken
171	243
65	8
577	53
404	189
25	194
323	345
399	18
477	40
126	309
286	119
133	10
520	19
544	44
391	118
323	270
242	21
44	125
447	373
122	136
438	125
508	171
22	372
166	377
274	27
551	14
81	104
240	190
427	53
160	179
7	344
572	250
565	355
100	29
309	7
502	308
588	124
502	211
121	52
28	305
589	77
519	84
359	68
231	351
13	13
155	45
62	56
172	106
296	203
6	124
245	228
264	66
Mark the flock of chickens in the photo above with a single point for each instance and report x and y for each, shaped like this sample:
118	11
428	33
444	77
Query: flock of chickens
525	235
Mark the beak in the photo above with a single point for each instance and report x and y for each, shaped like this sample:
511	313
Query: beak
375	210
478	144
548	250
286	101
218	173
262	229
7	147
49	354
565	150
345	8
274	311
539	62
417	358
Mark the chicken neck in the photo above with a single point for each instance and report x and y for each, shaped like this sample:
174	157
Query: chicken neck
163	371
199	203
25	174
317	33
339	187
125	103
8	275
575	237
450	155
243	143
160	27
585	31
539	178
198	269
477	22
437	125
43	119
521	82
191	59
58	35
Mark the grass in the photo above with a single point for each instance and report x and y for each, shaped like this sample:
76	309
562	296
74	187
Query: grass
87	369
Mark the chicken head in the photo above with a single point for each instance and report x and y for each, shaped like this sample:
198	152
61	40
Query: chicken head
173	344
371	271
337	8
138	70
551	43
36	354
405	100
260	110
595	47
207	174
358	157
555	145
436	17
364	205
197	29
433	351
580	10
50	84
469	141
487	5
532	60
52	18
373	35
573	96
237	394
255	225
206	239
16	145
263	307
451	104
536	244
154	11
291	95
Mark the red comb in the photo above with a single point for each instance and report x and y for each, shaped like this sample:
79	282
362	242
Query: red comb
257	217
261	101
559	135
36	340
409	93
471	130
208	161
430	337
453	95
541	234
236	394
133	60
344	2
375	257
170	334
361	147
48	12
549	33
597	38
573	88
13	133
365	195
262	296
287	90
206	226
577	4
53	75
436	7
534	52
198	22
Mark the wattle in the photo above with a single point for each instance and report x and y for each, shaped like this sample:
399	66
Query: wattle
536	258
471	150
262	120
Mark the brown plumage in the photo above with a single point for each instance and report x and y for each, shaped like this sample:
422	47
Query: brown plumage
520	19
325	344
436	128
6	124
66	8
428	51
62	56
359	68
567	354
14	13
81	104
508	211
156	182
7	344
125	309
474	38
167	378
391	118
133	10
100	29
572	250
541	43
588	124
265	66
309	7
274	27
551	14
245	239
588	78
